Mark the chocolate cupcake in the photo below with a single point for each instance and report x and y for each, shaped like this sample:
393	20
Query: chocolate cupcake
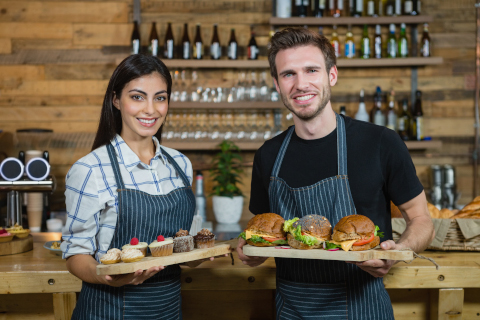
182	242
204	239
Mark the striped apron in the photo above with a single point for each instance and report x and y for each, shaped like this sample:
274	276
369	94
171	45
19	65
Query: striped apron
323	289
143	216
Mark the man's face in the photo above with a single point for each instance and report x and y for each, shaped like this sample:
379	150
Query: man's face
303	81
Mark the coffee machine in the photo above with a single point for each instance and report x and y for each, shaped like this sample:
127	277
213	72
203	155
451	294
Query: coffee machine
443	188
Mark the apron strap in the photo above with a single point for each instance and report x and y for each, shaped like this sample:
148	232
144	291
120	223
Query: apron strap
281	152
116	168
177	168
341	146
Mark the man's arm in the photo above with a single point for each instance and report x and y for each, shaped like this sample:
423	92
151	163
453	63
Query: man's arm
417	236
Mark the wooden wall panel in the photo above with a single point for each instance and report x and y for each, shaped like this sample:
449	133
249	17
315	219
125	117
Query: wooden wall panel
5	46
32	30
62	88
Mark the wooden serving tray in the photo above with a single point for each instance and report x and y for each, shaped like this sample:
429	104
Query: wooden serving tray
149	261
287	252
17	245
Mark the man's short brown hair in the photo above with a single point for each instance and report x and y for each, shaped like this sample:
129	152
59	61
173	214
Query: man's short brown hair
298	37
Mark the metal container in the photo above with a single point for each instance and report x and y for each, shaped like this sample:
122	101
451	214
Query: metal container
448	175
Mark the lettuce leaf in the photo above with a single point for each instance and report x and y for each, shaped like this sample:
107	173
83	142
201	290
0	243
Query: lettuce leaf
287	226
329	245
242	235
377	232
256	239
308	240
280	242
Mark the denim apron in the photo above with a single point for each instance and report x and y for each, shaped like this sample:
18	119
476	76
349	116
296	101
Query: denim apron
323	289
143	216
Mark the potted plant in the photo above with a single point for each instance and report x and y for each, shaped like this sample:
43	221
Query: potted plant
227	196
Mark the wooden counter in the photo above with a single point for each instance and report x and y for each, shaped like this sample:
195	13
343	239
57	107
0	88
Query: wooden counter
36	273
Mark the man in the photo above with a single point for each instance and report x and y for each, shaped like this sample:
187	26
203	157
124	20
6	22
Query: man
326	161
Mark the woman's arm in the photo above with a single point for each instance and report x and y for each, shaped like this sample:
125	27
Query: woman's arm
84	267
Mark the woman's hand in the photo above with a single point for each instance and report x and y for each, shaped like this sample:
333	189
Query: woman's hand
136	278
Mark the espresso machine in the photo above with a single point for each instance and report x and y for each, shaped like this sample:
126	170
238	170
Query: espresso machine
443	188
18	179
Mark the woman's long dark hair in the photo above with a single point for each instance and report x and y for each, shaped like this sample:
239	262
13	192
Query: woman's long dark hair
133	67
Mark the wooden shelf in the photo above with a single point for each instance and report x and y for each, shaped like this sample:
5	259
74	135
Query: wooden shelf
326	21
226	105
388	62
213	64
252	146
420	145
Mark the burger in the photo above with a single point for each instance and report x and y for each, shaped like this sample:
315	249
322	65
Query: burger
265	230
308	232
356	233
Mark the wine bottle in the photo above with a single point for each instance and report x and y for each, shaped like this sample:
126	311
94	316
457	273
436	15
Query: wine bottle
362	113
378	114
169	43
349	44
198	44
418	128
366	52
252	50
391	114
416	4
335	42
370	8
186	45
215	48
407	7
402	42
392	43
378	46
135	39
283	8
319	10
153	40
403	121
357	8
425	45
232	46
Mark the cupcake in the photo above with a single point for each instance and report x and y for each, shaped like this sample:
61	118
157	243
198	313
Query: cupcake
112	256
18	231
183	242
161	247
204	239
135	244
5	236
131	255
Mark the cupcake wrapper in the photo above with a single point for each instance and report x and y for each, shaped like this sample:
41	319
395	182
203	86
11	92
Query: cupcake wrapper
202	244
162	251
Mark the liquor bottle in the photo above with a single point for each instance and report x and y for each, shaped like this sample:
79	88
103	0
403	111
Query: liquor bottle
370	8
335	42
332	7
403	121
283	8
392	43
169	43
390	8
186	45
357	8
153	40
215	48
135	39
232	46
416	6
252	50
418	128
398	8
425	45
300	9
391	114
349	44
200	199
340	8
378	115
306	5
198	44
407	7
366	51
402	42
343	110
378	46
362	113
319	8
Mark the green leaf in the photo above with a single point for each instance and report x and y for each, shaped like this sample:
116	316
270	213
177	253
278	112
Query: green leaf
287	225
242	235
329	245
226	170
308	240
377	232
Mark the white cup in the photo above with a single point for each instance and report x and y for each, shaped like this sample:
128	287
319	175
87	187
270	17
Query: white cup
54	225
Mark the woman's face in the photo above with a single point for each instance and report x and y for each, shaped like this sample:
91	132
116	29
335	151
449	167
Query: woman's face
143	105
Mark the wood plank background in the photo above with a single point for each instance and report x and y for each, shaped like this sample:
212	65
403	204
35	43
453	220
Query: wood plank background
56	58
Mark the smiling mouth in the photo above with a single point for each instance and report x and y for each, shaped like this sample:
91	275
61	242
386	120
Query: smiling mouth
304	98
147	122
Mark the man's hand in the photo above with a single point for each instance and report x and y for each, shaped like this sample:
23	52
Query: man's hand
136	278
249	261
379	268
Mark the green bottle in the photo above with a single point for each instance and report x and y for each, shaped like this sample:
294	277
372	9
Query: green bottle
403	43
392	43
366	51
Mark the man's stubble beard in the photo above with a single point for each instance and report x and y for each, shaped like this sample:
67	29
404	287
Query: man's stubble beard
326	93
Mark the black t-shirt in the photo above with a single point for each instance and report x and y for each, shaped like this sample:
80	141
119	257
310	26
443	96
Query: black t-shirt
379	166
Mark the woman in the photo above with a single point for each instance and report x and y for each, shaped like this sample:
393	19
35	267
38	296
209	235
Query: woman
128	186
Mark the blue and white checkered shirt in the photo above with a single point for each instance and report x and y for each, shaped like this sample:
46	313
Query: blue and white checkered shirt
92	198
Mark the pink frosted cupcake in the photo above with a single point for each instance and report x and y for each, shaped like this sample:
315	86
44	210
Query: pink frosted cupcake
161	247
5	236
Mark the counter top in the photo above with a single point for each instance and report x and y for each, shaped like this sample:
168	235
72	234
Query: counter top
41	271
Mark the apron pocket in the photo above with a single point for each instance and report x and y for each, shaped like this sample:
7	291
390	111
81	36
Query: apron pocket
311	301
160	300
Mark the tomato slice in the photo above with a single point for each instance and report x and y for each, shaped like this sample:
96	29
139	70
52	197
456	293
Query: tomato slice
273	239
361	242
